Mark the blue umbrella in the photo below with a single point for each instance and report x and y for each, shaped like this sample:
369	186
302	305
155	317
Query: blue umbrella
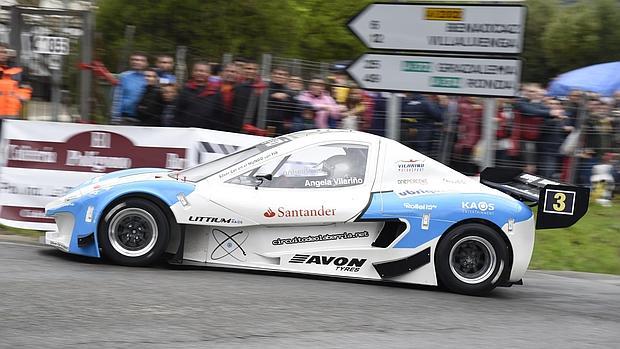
600	78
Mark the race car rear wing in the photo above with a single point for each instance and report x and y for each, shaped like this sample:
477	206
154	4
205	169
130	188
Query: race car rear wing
559	205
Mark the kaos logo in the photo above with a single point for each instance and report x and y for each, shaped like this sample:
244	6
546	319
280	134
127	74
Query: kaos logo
283	212
410	165
481	207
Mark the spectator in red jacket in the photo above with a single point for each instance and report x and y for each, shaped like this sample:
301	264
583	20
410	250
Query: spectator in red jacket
507	150
529	118
468	135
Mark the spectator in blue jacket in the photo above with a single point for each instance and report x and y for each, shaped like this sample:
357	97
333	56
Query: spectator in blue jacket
129	90
418	117
165	70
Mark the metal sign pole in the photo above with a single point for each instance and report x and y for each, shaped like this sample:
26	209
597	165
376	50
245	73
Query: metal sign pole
87	56
261	122
55	64
449	130
488	131
393	117
181	70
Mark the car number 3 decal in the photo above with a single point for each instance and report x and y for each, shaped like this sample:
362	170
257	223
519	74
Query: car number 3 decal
559	202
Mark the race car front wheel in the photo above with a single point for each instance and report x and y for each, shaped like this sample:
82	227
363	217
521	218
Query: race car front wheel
134	232
470	259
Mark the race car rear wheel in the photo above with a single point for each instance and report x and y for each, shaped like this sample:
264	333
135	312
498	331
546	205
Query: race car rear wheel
470	259
134	232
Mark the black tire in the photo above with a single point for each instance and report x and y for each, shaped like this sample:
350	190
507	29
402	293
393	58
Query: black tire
471	259
134	232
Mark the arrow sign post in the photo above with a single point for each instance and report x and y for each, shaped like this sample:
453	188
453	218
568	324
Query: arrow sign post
440	27
437	74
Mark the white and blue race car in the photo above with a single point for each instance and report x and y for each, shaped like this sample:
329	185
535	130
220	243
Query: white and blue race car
323	202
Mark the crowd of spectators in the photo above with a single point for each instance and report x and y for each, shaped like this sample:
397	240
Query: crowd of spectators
540	133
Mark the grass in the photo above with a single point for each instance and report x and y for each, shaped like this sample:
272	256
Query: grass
591	245
22	232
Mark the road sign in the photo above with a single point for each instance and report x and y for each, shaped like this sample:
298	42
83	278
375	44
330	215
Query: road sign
442	27
51	45
437	74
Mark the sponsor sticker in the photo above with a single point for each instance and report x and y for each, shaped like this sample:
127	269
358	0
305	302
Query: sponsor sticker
559	202
249	163
319	238
410	166
415	192
538	181
422	207
302	172
208	219
229	245
284	212
455	180
479	207
89	214
426	221
421	181
275	141
341	263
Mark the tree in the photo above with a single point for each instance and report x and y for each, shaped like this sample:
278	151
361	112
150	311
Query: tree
539	14
583	34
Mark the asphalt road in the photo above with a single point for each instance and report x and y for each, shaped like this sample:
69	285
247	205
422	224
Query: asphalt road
52	300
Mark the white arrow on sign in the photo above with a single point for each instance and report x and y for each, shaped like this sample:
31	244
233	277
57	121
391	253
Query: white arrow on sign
441	27
438	74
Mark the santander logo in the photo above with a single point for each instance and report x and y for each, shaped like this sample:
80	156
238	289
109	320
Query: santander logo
283	212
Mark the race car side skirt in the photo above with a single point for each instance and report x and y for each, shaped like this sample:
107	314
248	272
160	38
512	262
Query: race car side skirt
402	266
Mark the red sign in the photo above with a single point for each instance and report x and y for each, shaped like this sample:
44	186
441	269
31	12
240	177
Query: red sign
95	151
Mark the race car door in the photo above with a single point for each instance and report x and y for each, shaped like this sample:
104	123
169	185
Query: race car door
320	184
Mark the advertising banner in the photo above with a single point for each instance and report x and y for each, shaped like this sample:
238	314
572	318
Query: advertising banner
40	161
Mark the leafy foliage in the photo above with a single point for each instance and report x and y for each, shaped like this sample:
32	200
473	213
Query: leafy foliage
539	14
310	29
558	37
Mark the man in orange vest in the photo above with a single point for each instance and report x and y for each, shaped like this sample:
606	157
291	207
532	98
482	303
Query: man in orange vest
12	93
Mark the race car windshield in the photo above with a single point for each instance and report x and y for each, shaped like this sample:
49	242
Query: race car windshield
202	171
207	169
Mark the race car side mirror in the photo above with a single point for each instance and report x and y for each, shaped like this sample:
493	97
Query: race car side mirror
261	179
